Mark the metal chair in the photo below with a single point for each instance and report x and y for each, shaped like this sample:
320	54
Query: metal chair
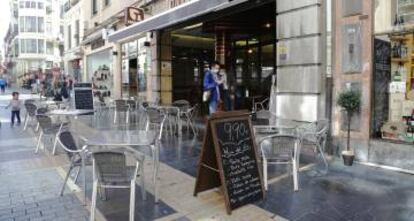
30	113
110	171
316	134
121	106
42	111
188	116
68	143
281	149
48	128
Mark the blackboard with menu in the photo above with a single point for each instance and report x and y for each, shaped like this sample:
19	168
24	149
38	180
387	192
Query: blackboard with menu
229	160
83	96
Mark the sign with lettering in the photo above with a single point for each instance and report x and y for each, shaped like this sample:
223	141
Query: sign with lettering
133	15
83	96
229	160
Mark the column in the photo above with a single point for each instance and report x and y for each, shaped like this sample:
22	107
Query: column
117	71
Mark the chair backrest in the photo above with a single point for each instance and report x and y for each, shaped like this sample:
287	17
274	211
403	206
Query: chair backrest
68	143
193	111
45	122
121	105
110	166
31	109
155	119
282	147
42	110
183	105
132	104
29	101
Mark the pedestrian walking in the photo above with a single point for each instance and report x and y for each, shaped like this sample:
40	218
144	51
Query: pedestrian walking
3	85
211	93
15	105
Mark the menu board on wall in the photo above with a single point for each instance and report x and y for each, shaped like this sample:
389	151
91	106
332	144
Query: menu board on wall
382	78
229	160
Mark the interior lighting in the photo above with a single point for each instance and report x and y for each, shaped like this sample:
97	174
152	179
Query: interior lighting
268	25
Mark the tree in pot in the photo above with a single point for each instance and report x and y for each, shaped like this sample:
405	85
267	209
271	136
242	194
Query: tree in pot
349	100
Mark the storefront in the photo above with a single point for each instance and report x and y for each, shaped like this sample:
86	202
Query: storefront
99	72
136	67
185	38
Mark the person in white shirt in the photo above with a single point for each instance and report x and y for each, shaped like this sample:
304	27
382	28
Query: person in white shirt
15	105
221	79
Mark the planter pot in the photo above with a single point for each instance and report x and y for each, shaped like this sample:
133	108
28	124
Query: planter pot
348	157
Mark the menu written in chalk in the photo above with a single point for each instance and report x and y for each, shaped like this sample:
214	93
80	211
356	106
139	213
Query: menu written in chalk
83	99
239	162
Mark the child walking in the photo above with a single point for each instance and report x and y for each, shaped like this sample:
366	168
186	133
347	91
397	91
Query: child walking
15	105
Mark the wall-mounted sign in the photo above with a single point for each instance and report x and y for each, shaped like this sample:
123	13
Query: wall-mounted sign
133	15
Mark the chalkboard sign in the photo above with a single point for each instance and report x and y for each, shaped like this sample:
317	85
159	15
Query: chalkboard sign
83	99
229	160
82	85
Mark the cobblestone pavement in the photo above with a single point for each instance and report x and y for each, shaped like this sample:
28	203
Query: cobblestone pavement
30	183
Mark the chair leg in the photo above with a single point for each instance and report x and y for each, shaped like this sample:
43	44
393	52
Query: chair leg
295	175
37	127
142	181
93	204
132	201
26	122
265	174
66	180
115	116
39	141
322	154
127	117
77	175
54	145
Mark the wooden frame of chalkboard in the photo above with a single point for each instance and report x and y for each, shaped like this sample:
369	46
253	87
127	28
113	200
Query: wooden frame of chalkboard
216	168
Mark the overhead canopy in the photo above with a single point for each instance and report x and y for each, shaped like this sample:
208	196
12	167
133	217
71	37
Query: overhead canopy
173	16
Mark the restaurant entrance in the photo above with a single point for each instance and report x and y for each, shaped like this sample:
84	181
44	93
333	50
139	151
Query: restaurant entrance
242	40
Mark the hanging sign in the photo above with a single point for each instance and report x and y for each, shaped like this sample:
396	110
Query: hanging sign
133	15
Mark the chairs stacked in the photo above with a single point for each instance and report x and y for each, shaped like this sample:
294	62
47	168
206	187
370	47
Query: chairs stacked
110	171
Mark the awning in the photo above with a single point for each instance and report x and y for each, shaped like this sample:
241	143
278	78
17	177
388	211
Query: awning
92	37
173	16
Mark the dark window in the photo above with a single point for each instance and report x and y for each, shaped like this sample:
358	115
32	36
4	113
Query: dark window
21	23
32	4
69	37
77	37
41	46
40	25
40	5
31	45
21	5
107	2
27	4
31	24
49	48
22	46
94	7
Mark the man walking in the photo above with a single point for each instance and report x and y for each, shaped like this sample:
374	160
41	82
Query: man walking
2	85
211	92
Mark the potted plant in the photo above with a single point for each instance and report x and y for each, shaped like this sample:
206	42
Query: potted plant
349	100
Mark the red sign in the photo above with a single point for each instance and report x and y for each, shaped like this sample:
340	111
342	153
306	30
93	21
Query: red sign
133	15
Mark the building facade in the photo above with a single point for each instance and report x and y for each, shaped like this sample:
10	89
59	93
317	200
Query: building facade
73	29
34	39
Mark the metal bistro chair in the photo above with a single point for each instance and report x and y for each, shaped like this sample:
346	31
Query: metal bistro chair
281	149
121	106
30	113
189	116
48	128
42	111
315	134
110	171
68	143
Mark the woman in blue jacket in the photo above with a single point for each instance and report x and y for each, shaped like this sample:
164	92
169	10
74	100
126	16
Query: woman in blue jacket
210	84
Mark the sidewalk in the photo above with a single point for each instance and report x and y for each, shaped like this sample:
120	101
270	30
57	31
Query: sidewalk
30	183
